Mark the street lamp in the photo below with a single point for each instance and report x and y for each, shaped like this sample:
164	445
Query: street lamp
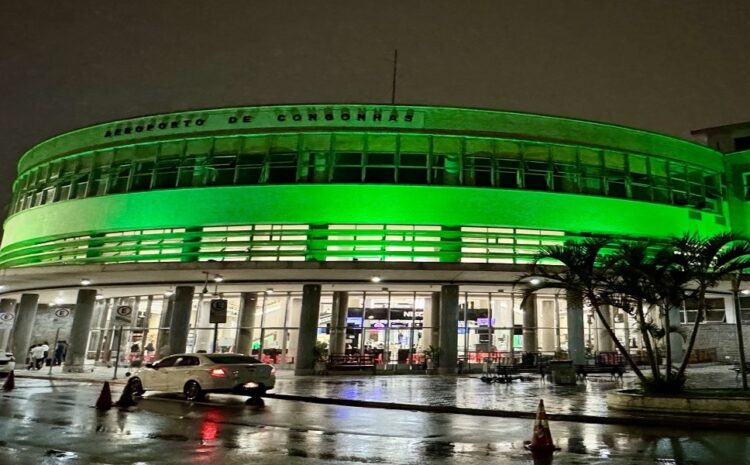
736	279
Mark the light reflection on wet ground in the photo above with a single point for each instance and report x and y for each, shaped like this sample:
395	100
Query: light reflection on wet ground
47	424
585	398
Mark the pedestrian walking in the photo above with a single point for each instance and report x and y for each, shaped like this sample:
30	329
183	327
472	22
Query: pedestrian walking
30	360
60	352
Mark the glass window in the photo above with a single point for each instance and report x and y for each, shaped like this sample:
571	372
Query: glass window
187	362
282	168
166	173
715	312
231	359
286	143
316	142
166	362
563	154
508	149
509	173
221	170
446	145
144	171
478	171
255	144
412	144
381	142
227	145
480	146
536	152
349	143
199	146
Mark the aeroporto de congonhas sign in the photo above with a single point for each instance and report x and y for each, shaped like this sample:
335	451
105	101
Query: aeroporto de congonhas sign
267	118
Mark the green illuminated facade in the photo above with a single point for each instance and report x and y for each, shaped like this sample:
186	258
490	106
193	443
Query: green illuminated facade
345	182
382	229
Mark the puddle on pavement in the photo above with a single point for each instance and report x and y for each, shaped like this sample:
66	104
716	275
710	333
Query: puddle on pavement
168	437
60	454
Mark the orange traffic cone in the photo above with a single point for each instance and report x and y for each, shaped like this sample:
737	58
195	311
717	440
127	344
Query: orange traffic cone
104	402
541	444
10	382
126	398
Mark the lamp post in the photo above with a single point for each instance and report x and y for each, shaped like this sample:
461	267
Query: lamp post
736	278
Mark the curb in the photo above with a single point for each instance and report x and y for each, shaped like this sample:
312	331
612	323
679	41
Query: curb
79	380
681	421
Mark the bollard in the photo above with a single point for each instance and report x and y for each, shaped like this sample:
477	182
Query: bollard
10	382
126	398
104	402
541	444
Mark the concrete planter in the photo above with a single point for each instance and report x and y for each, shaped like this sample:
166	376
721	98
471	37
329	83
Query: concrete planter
694	404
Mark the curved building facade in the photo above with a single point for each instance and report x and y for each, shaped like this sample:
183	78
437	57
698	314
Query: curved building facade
427	200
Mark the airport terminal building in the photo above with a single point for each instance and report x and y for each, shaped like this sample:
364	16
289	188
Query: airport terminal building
377	229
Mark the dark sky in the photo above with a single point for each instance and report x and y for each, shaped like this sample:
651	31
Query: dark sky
669	66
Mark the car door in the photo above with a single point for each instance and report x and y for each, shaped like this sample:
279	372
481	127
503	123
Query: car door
182	371
159	375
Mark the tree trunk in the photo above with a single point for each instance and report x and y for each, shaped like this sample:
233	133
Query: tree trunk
667	341
694	334
647	342
618	344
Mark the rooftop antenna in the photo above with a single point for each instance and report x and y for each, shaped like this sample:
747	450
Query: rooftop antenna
395	68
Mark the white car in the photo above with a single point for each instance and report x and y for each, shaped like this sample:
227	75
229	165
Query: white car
7	363
197	374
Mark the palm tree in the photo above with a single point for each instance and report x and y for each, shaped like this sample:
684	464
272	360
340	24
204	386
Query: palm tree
708	261
582	272
629	287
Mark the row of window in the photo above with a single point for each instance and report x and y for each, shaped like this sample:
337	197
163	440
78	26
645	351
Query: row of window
369	158
264	242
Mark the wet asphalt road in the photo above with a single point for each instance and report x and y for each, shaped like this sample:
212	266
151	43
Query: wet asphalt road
53	422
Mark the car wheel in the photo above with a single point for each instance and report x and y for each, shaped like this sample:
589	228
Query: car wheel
137	386
193	391
255	401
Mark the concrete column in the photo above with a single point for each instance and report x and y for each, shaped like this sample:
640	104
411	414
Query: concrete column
24	324
546	332
308	329
248	304
431	321
338	322
179	324
530	326
576	347
204	338
675	338
162	340
79	332
448	331
603	338
6	306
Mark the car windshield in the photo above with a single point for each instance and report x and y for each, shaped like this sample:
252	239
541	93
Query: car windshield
231	359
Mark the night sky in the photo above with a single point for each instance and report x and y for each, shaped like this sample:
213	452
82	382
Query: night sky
643	63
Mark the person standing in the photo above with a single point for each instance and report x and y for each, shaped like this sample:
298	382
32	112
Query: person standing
30	360
37	355
60	351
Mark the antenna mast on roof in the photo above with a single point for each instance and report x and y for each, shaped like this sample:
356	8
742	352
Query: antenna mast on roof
395	68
